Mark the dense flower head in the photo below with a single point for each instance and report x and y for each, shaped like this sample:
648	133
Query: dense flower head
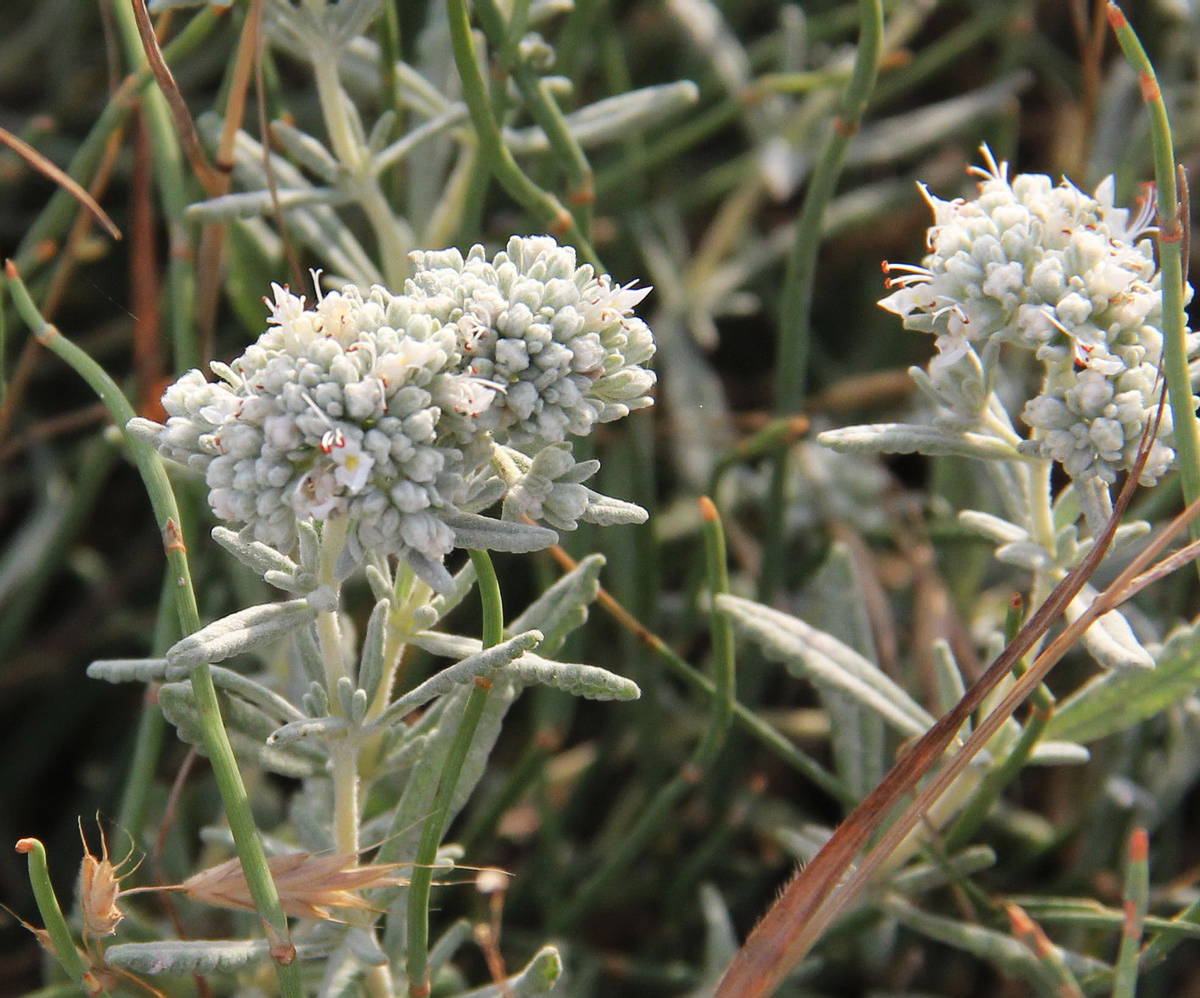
560	345
388	409
1063	274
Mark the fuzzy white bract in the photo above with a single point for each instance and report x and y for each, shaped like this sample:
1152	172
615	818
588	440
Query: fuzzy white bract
387	409
1066	275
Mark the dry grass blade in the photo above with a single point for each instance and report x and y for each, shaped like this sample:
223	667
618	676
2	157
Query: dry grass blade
44	166
309	884
831	881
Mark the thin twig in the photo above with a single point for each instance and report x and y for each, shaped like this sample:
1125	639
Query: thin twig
185	127
48	169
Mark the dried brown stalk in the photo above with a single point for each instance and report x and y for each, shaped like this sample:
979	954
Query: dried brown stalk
309	884
64	180
822	889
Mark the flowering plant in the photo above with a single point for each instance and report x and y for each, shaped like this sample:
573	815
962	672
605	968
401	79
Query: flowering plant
408	413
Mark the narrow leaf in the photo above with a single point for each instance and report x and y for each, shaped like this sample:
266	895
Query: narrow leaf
477	665
909	438
485	533
128	670
564	606
826	661
1115	701
240	632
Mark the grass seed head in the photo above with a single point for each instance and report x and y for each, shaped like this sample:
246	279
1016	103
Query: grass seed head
99	888
309	885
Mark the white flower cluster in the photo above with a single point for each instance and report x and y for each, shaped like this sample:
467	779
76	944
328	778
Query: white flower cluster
559	342
1058	272
387	409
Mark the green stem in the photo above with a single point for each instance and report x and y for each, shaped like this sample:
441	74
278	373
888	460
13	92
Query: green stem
543	206
52	917
1170	264
417	964
795	307
216	740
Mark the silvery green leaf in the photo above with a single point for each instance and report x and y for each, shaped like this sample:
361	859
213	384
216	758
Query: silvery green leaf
255	555
720	939
485	533
193	956
398	150
370	664
342	976
297	583
268	701
1025	554
323	599
1057	753
128	670
538	978
1000	948
1126	534
992	527
478	664
379	578
587	681
950	684
836	603
308	543
315	700
365	946
442	951
564	606
144	429
345	691
484	493
240	632
612	118
606	511
432	573
909	438
1115	701
308	151
825	661
919	877
448	599
251	204
1110	640
307	652
248	730
320	727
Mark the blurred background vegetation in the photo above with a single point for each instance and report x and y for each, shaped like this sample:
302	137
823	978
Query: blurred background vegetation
702	205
